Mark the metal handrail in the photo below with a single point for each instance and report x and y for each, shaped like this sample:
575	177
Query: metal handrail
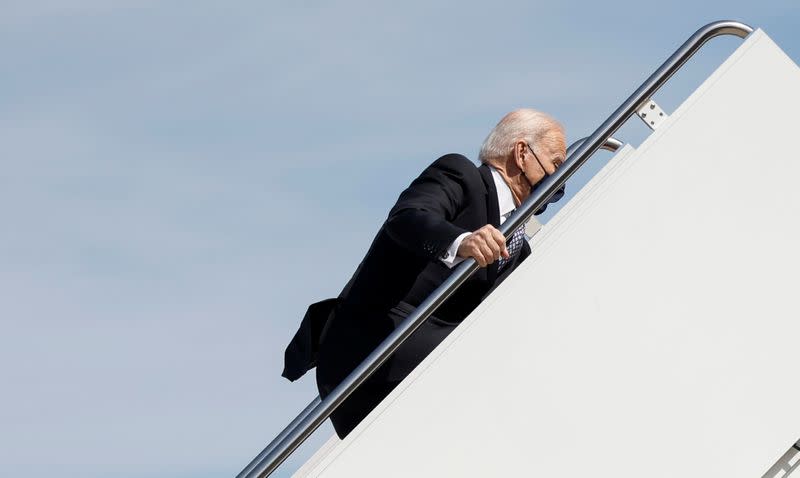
276	454
611	144
278	439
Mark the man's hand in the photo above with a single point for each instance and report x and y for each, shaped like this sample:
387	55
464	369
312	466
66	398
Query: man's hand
485	245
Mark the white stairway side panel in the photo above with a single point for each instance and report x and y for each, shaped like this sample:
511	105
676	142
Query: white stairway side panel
330	450
654	330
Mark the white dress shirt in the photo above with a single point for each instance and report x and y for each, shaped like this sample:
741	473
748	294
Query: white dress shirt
505	203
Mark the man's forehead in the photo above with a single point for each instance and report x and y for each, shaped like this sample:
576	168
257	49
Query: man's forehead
557	142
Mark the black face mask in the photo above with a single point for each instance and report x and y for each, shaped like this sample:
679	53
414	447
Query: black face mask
554	198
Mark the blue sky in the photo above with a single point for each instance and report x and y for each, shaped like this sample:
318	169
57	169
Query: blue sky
181	179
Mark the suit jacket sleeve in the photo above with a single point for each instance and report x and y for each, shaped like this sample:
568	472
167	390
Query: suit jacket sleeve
301	354
421	219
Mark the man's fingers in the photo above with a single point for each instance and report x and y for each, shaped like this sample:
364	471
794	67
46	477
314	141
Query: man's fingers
487	245
487	252
479	257
496	249
485	233
498	238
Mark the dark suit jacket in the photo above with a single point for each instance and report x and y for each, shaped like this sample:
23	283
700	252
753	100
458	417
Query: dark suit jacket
450	197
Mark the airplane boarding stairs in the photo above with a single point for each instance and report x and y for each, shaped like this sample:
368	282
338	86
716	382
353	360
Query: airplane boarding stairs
654	330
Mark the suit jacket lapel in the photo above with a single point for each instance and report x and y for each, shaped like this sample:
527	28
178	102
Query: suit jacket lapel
492	212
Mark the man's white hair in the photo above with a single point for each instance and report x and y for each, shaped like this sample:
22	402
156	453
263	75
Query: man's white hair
524	124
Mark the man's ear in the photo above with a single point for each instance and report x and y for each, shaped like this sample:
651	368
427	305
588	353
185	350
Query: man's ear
519	154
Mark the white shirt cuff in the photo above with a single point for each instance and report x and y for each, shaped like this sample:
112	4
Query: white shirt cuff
450	257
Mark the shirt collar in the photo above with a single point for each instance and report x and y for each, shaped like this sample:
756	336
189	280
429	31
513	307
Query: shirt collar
505	199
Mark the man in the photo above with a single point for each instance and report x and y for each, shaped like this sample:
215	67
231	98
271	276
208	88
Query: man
449	213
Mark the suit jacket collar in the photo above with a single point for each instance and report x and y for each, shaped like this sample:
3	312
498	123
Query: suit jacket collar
492	208
492	211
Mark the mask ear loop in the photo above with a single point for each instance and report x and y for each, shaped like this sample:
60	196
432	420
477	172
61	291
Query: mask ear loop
537	160
541	165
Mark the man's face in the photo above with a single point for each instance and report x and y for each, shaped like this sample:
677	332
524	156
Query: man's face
543	158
